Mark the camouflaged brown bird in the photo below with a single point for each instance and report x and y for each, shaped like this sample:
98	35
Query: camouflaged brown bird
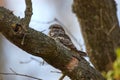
57	32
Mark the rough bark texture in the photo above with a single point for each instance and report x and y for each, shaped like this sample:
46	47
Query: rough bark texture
100	29
38	44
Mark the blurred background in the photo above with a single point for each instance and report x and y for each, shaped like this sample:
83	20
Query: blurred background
14	59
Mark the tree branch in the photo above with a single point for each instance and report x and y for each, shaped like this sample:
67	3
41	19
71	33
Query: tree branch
100	29
28	13
38	44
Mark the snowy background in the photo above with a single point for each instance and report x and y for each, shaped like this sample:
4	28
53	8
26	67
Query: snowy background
11	57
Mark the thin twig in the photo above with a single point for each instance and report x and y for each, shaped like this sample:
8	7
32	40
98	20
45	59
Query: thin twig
12	70
25	62
112	28
40	62
56	72
22	42
101	21
18	74
62	77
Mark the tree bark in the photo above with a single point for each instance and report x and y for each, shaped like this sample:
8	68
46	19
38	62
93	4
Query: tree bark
100	29
38	44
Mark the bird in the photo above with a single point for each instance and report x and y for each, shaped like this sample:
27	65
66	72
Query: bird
58	33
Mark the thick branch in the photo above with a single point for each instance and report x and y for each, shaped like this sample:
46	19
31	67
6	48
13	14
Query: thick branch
38	44
100	29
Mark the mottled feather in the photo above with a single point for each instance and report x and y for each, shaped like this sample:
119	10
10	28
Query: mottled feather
57	32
